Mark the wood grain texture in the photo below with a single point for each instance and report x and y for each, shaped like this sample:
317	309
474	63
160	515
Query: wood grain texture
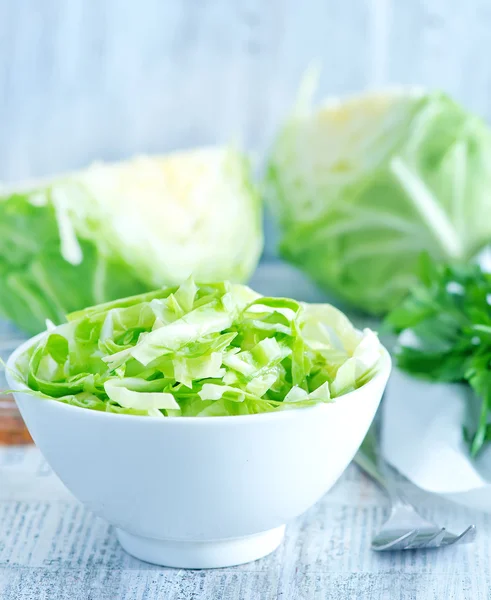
86	79
90	79
12	428
53	549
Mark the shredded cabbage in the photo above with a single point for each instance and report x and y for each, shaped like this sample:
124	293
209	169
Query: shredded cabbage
208	350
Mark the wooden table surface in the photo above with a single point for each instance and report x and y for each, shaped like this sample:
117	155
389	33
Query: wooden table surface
51	548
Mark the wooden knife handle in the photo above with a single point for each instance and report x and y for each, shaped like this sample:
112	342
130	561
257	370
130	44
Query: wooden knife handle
12	428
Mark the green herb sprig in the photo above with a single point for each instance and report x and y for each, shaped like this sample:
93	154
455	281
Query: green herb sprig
446	321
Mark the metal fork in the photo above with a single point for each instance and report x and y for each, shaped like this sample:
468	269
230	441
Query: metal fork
405	529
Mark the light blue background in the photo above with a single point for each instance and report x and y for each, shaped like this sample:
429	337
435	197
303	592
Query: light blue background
82	80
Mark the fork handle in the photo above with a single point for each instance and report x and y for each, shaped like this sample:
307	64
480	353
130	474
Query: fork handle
370	461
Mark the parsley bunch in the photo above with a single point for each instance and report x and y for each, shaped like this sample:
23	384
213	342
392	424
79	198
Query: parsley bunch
446	321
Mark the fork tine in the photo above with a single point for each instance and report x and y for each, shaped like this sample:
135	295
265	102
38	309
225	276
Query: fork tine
429	542
436	541
466	537
396	544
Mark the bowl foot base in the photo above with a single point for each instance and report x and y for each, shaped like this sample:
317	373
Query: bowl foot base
201	555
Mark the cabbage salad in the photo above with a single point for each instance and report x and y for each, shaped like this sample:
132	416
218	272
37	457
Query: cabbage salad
200	350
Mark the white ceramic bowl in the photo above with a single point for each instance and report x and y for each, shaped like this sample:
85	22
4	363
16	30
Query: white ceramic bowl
200	492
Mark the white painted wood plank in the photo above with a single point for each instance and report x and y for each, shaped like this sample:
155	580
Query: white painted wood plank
325	553
91	79
443	44
85	79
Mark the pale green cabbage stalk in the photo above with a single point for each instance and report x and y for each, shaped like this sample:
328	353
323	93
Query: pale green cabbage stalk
119	229
210	350
362	187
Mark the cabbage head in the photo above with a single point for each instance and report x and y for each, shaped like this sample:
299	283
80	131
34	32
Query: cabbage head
116	230
362	187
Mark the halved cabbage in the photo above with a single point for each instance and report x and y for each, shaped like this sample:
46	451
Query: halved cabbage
119	229
362	187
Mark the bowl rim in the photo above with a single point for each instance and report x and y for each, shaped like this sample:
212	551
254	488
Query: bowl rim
17	386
